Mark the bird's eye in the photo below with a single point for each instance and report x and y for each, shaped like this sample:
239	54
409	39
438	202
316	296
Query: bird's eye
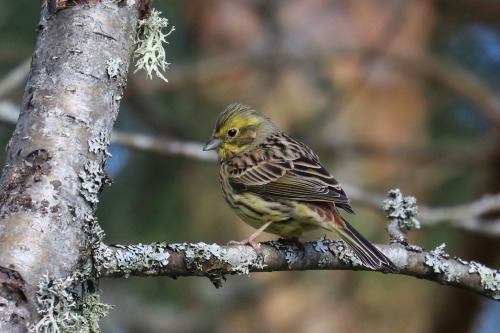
232	132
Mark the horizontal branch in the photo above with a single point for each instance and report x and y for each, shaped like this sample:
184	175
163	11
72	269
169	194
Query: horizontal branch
163	145
214	262
15	78
475	216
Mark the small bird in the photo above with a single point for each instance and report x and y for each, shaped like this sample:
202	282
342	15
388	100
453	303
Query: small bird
277	184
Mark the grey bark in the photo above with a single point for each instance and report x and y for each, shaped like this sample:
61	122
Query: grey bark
214	262
56	156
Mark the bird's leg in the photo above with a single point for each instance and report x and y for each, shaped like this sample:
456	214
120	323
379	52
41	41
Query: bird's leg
299	244
251	240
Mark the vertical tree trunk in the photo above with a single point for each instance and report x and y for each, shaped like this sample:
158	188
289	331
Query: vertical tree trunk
56	156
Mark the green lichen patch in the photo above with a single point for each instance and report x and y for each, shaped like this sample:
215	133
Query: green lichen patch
435	260
208	260
101	253
201	251
93	178
199	255
246	261
72	304
150	40
291	256
490	278
113	67
63	309
93	310
290	249
402	209
414	248
343	252
323	262
100	144
141	257
320	246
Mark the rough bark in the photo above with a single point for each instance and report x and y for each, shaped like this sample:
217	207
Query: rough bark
56	156
214	262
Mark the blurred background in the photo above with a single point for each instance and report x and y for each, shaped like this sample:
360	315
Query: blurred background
389	93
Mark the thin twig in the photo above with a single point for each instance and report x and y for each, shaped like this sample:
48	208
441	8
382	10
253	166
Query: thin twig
471	216
163	145
15	78
9	112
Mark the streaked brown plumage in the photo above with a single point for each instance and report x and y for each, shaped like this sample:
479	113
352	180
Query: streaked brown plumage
277	184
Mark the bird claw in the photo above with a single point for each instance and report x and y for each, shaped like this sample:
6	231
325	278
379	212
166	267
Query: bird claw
248	242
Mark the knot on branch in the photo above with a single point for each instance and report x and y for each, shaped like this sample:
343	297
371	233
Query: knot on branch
401	212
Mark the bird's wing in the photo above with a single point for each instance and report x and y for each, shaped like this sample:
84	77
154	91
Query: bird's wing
294	173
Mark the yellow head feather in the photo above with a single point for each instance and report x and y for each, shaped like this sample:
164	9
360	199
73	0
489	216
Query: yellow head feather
240	128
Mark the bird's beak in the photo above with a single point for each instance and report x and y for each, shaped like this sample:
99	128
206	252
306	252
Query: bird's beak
212	144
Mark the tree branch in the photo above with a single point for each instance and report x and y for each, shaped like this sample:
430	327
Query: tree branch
151	143
476	216
214	262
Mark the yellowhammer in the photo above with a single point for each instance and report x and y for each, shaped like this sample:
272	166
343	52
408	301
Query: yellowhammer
277	184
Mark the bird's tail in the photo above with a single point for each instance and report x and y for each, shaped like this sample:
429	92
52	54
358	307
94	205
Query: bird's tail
365	251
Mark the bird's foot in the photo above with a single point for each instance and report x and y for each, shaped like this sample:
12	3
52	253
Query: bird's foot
299	244
250	242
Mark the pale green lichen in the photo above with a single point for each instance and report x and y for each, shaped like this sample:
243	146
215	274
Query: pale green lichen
242	262
95	234
199	253
63	309
150	39
93	179
57	304
245	262
141	257
320	246
402	209
291	256
113	67
323	262
101	253
290	250
490	278
72	304
200	258
178	247
414	248
100	144
343	253
435	260
93	310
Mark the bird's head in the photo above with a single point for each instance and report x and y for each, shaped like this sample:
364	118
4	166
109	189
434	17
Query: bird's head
239	129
